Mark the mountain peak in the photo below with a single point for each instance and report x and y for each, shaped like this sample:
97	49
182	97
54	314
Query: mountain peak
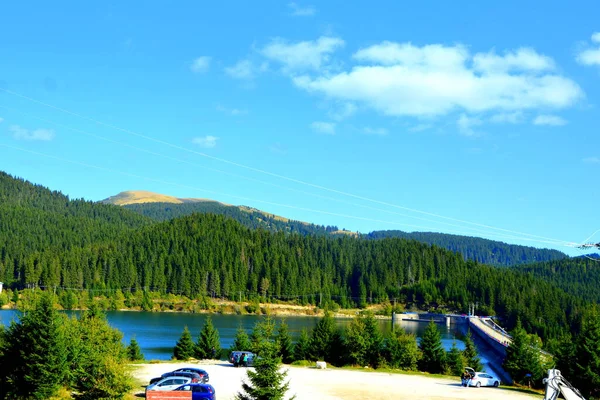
144	196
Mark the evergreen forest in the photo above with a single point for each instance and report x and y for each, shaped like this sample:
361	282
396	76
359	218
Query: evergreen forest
50	241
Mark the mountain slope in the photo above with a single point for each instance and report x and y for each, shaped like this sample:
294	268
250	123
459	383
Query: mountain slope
143	197
579	276
80	245
478	249
34	219
162	208
211	255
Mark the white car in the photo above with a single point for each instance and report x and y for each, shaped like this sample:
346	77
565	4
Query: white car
484	379
170	383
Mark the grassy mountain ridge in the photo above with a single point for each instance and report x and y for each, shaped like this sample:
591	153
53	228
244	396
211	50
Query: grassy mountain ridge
249	217
485	251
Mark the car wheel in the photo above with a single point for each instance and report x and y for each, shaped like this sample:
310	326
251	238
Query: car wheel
496	384
478	384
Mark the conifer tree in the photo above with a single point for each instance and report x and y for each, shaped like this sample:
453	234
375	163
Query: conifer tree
134	352
35	352
433	355
100	358
470	354
523	356
284	343
587	356
302	346
456	360
266	382
208	346
402	350
184	349
242	340
320	340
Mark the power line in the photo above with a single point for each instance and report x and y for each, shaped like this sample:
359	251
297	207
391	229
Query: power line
470	229
279	176
212	192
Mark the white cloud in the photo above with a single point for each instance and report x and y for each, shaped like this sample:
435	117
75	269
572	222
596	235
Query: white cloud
327	128
298	11
551	120
41	134
342	111
508	118
400	79
311	54
524	59
244	69
591	160
201	64
433	55
207	141
590	56
466	125
375	131
236	112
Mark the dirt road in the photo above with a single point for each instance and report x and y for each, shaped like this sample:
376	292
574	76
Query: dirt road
334	384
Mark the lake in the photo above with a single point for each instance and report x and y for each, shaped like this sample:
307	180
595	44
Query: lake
157	333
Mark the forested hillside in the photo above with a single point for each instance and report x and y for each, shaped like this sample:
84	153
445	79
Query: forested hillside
47	240
248	217
205	254
33	219
472	248
579	276
477	249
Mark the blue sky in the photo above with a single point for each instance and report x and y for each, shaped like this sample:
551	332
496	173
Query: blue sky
378	115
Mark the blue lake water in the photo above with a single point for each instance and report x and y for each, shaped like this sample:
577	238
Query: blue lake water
157	333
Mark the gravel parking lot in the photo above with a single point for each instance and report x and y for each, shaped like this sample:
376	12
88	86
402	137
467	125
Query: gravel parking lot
333	384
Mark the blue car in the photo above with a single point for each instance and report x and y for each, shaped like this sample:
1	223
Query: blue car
200	391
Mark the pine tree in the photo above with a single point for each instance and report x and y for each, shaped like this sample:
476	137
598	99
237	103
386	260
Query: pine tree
208	346
184	349
99	357
284	342
242	340
402	350
320	340
470	354
267	382
523	356
456	360
587	356
35	352
356	342
433	355
302	346
515	360
134	352
374	339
